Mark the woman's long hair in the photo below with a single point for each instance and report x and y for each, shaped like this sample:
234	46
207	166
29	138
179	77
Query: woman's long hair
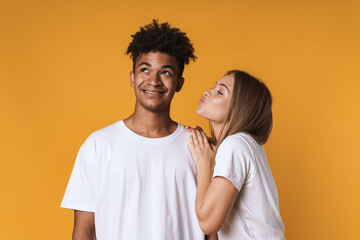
249	110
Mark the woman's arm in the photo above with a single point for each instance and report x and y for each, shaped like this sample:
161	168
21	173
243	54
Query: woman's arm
214	207
214	198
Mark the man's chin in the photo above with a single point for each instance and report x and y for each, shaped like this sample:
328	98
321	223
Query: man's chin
155	108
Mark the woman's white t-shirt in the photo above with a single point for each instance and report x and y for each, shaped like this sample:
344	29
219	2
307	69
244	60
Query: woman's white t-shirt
255	214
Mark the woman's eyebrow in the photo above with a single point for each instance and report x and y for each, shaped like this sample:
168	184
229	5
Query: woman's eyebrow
221	84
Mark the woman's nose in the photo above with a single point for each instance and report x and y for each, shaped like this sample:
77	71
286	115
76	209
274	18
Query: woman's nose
206	93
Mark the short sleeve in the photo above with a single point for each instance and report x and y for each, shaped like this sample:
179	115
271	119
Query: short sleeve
79	194
233	160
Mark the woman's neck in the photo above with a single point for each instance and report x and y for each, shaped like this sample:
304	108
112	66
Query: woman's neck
218	129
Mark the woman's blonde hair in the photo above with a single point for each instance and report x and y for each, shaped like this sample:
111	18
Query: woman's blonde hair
249	110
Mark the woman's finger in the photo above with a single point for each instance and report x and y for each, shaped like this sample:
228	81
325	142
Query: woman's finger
188	128
196	127
199	137
205	139
195	139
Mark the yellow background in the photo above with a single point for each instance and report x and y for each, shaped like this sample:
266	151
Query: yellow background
64	74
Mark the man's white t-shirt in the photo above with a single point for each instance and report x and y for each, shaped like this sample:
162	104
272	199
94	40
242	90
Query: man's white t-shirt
138	188
255	214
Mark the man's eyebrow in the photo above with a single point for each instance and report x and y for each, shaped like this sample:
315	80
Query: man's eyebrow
149	65
169	66
221	84
144	63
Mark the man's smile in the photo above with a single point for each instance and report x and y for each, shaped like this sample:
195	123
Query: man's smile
153	92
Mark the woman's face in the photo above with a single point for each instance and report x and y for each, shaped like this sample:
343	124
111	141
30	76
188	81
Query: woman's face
215	103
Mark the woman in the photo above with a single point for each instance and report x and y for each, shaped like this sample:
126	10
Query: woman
236	193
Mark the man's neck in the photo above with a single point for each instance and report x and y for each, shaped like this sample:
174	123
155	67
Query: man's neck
151	124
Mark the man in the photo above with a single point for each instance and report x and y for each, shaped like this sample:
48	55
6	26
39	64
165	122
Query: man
135	179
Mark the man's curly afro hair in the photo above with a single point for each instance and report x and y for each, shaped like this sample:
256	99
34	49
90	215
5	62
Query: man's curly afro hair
163	38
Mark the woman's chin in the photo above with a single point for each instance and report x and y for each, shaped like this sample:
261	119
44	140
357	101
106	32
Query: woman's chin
200	113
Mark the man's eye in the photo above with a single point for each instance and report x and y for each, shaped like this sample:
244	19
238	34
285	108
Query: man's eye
144	70
166	73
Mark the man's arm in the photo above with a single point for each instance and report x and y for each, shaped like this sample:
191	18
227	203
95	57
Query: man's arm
84	226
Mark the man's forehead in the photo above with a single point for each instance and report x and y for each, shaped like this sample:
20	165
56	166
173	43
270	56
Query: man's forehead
157	59
156	55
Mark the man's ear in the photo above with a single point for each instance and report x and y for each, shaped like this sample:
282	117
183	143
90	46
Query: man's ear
180	83
132	78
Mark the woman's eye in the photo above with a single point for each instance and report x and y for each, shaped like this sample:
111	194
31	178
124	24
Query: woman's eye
219	92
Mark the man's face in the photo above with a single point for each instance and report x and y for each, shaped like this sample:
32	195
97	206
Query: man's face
155	81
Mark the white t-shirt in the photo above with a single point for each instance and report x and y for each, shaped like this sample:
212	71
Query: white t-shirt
139	188
255	214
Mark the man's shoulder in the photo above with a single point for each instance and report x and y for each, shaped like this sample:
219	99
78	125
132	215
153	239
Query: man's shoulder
118	131
183	132
107	133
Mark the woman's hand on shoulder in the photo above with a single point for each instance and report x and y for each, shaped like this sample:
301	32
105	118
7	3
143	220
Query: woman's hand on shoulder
195	127
201	149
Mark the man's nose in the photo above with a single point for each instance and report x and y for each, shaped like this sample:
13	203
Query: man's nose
154	80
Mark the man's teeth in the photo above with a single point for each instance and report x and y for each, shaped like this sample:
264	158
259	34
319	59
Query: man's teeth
153	92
